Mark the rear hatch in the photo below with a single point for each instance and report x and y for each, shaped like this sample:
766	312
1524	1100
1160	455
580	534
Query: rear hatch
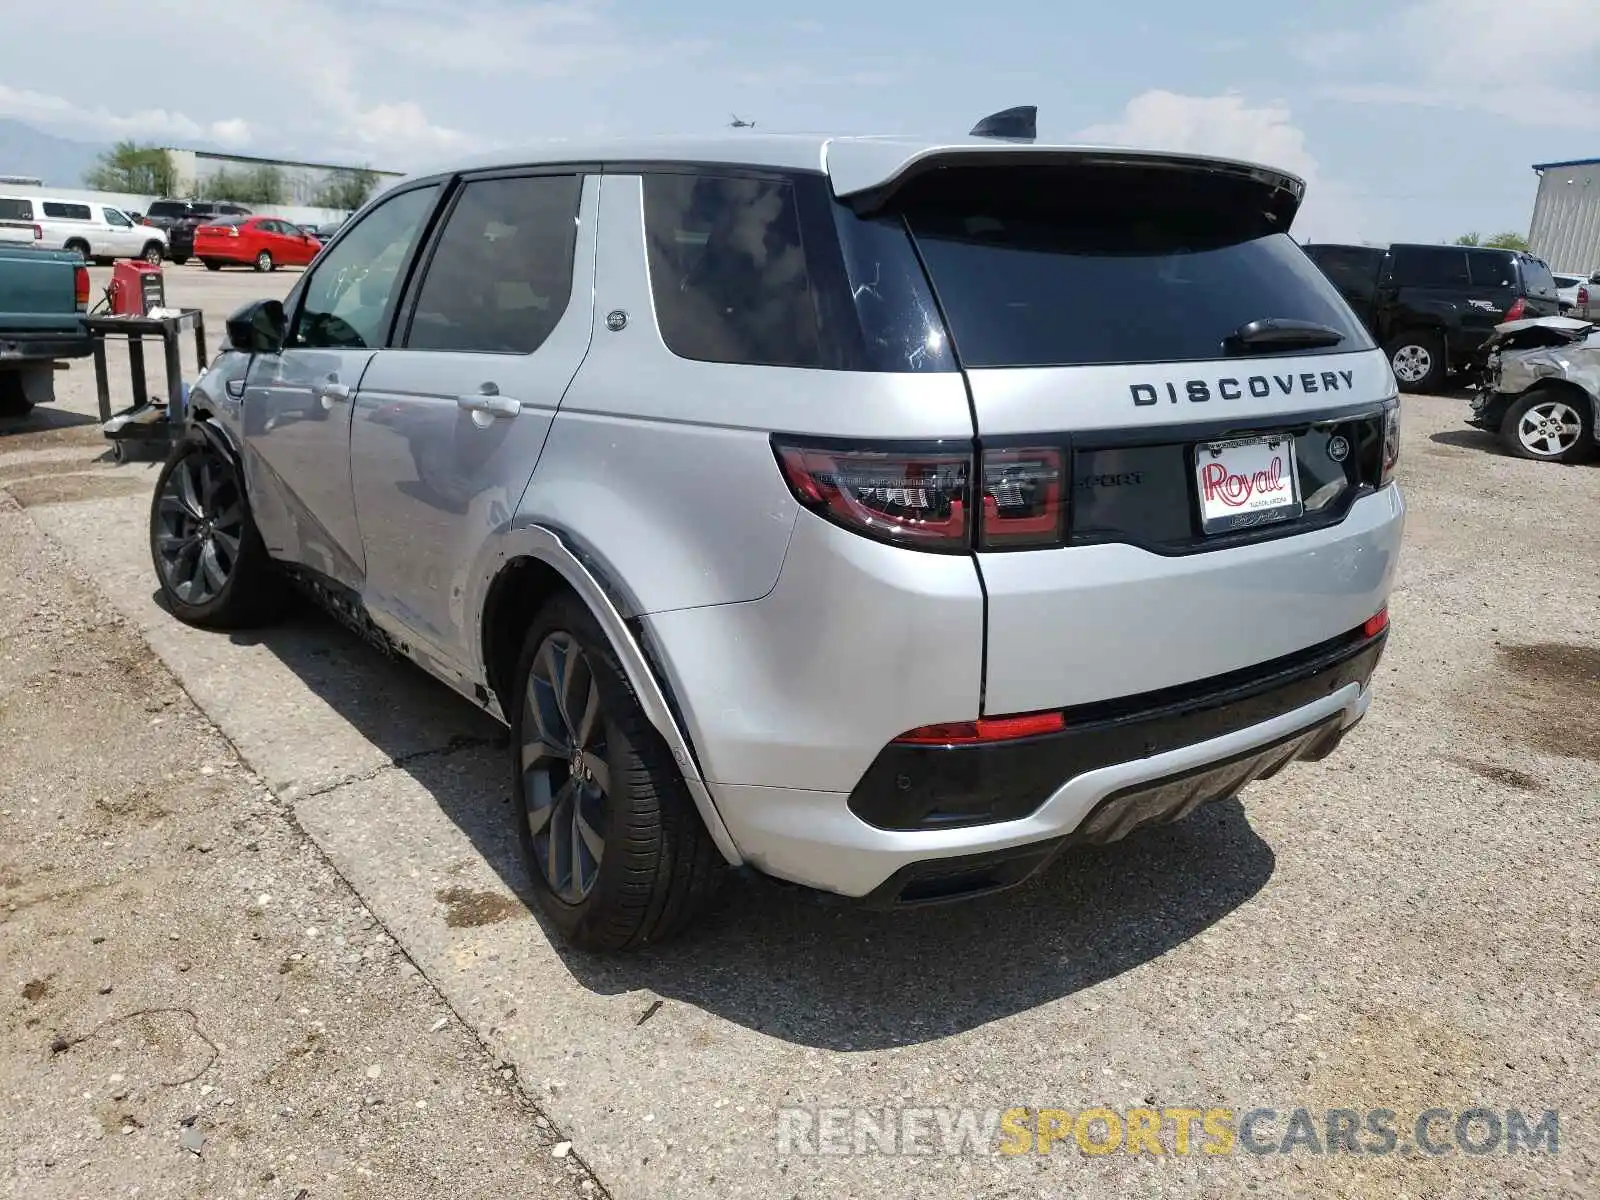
1168	395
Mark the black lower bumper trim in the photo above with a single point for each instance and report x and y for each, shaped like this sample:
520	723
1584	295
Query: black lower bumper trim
911	787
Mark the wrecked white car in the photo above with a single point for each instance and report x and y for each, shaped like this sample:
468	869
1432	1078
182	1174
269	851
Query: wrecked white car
1541	388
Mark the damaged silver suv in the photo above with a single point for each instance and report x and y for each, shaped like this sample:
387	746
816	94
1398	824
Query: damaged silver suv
1541	388
882	515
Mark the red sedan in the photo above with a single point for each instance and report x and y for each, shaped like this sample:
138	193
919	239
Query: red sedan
264	243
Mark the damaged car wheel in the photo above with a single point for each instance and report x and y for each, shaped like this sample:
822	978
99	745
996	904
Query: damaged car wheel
1549	426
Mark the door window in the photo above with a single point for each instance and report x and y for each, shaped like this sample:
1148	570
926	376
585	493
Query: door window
1429	266
500	275
347	298
113	217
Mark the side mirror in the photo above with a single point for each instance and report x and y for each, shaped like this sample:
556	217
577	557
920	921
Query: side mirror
258	328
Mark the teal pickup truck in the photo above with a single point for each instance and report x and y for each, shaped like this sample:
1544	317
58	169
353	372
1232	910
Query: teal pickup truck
44	299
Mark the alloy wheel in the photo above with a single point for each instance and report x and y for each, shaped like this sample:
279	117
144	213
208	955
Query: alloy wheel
263	261
1549	428
153	256
200	524
566	773
1412	363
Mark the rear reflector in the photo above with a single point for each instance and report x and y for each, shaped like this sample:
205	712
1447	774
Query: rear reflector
1377	623
984	729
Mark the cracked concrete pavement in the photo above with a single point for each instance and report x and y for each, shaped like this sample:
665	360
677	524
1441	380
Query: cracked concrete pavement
1405	925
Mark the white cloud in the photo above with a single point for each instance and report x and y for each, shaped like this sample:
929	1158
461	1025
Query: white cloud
149	124
1534	61
1230	127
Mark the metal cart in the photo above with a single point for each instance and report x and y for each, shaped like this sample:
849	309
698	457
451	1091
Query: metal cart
149	427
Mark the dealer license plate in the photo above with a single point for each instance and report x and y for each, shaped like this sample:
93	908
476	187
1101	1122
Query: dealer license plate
1246	483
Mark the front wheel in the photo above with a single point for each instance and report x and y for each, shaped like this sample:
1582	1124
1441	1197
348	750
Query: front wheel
263	261
1418	361
1550	426
616	852
209	557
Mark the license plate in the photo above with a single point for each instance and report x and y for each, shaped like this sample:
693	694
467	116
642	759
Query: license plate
1246	483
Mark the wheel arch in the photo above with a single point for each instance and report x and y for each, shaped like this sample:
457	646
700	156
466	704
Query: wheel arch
534	563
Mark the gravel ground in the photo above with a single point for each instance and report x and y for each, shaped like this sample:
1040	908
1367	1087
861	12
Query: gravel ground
1404	926
192	1001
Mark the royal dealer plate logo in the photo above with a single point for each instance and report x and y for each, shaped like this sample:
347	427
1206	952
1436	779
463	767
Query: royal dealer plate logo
1246	483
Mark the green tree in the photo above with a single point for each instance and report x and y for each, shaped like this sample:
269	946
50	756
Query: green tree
130	167
1469	239
259	185
1509	240
346	189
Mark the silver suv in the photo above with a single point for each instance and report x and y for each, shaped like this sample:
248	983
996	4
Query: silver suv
881	515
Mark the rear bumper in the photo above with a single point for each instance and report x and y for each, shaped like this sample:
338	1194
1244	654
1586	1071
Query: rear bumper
18	348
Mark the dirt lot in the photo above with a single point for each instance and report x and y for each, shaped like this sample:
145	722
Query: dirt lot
1404	926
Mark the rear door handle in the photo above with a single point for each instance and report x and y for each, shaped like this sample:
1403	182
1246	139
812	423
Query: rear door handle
333	390
489	401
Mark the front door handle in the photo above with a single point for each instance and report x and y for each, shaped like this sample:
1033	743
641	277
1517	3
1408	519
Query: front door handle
489	400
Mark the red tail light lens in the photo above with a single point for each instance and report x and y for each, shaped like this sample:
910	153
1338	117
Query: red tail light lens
1518	307
984	729
80	288
1583	295
1024	499
38	233
1391	444
908	497
1377	623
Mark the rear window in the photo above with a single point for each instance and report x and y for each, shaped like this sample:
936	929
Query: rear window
66	212
1536	278
1067	267
15	210
1568	281
226	220
168	208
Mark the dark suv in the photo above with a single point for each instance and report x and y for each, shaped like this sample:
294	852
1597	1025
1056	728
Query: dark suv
1433	307
180	218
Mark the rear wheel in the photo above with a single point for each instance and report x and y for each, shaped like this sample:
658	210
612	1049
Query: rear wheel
1418	360
1550	425
80	246
212	264
264	261
152	253
209	558
180	260
616	852
14	400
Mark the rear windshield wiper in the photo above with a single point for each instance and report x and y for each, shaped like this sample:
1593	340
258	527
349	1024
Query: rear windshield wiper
1279	333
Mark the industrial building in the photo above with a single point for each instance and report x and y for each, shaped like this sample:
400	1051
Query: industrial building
302	182
1565	231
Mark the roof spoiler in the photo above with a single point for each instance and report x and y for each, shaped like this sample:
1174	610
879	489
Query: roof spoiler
1020	124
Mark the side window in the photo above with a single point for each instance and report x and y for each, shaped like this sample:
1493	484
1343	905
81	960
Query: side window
347	296
66	212
1490	269
501	274
728	271
1429	266
113	217
15	210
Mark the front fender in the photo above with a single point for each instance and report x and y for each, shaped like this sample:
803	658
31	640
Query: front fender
613	607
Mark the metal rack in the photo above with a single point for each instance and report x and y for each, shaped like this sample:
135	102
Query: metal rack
151	426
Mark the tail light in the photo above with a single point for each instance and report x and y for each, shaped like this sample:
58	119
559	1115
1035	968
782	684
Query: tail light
1391	444
1583	296
984	729
920	496
1024	499
1518	307
38	233
907	497
80	288
1376	623
233	231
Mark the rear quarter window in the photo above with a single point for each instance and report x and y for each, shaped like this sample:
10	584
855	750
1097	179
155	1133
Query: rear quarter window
15	210
1490	269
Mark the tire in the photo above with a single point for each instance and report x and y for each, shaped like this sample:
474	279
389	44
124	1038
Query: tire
14	400
182	260
1417	358
81	247
212	264
152	253
208	555
657	868
1549	424
264	262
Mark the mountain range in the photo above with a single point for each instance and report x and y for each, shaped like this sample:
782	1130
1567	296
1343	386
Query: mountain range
59	161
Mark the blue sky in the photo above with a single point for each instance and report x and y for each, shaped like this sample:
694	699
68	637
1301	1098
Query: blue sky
1410	119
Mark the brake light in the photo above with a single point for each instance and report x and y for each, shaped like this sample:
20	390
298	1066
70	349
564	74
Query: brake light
984	729
1583	296
233	231
907	496
80	288
1518	307
1376	623
1391	444
38	233
1024	498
